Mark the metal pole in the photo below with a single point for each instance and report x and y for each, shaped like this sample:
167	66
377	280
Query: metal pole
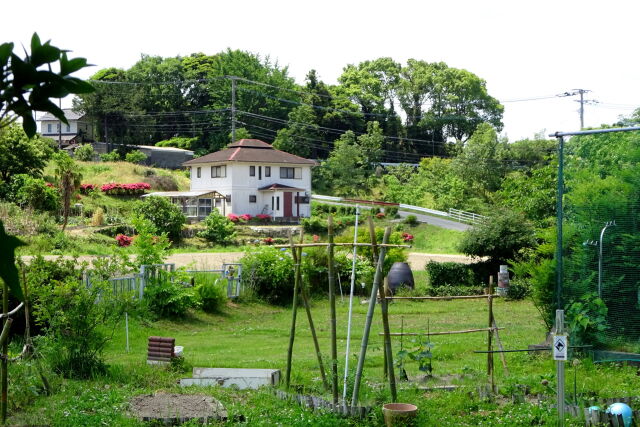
559	215
582	108
560	370
233	109
353	282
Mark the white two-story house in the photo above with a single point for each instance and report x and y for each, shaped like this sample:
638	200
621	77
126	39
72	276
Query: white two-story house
78	130
248	177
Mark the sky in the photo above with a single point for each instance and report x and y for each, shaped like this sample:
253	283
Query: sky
522	49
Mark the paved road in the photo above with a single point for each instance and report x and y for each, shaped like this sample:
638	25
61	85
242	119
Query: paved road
214	260
428	219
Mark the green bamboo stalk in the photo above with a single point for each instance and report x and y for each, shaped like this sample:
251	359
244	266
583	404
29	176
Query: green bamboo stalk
297	258
367	327
332	308
388	354
292	332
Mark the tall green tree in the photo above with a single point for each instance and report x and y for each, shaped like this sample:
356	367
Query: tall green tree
21	154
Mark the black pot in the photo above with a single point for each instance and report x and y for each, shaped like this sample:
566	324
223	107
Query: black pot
400	275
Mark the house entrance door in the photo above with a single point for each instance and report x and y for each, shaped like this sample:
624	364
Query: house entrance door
288	205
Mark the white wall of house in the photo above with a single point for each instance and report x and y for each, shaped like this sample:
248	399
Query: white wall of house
50	127
242	185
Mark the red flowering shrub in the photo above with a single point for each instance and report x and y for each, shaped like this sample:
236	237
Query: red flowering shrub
124	240
87	188
50	185
268	240
380	215
245	217
407	237
316	238
233	217
125	189
263	218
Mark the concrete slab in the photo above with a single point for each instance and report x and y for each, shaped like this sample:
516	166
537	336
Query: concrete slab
228	377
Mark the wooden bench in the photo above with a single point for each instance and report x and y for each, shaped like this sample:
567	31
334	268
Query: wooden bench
160	350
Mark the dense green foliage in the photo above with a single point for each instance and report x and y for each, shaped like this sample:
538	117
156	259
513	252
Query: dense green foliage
165	216
449	274
212	296
218	228
135	156
29	192
84	153
21	154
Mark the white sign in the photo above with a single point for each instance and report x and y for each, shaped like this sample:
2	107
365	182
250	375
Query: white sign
560	345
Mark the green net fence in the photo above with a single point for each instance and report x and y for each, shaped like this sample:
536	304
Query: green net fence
601	281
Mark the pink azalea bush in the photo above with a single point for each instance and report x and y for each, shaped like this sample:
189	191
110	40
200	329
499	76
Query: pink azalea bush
125	189
124	240
407	237
87	188
245	217
268	240
380	215
233	217
263	218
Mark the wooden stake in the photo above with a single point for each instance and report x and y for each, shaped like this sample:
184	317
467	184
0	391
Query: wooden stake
499	342
297	258
332	314
490	336
445	298
367	327
292	332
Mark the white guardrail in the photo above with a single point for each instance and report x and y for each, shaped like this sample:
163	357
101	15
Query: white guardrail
455	214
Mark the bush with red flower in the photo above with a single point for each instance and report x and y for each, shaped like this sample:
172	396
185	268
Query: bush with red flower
263	218
233	218
380	215
407	237
268	240
87	188
245	217
114	189
124	240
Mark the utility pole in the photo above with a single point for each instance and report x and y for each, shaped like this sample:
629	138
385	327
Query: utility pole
233	109
60	126
582	101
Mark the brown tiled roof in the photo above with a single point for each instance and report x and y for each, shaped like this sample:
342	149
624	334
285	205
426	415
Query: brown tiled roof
251	151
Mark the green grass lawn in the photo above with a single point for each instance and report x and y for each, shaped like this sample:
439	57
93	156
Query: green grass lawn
431	239
255	335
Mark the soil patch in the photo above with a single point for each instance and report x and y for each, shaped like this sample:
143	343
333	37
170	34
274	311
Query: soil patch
173	408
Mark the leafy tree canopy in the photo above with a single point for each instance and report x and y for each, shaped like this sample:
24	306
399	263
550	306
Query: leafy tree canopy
21	154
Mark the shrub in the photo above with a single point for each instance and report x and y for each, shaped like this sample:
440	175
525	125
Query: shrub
411	220
124	240
263	218
268	272
87	188
380	215
149	247
518	290
314	225
218	229
212	296
449	274
135	156
35	193
113	189
165	216
245	217
391	211
407	237
84	153
113	156
167	297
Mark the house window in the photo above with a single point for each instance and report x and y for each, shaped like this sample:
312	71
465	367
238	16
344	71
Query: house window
291	173
228	198
301	199
253	198
198	172
58	126
252	171
204	207
218	171
259	172
68	128
49	128
278	203
287	173
267	171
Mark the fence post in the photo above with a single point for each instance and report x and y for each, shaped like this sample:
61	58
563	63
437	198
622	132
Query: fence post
143	280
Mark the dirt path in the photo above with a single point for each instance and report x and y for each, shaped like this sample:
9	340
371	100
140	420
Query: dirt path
213	260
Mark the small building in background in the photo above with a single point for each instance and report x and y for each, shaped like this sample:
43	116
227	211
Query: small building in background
78	130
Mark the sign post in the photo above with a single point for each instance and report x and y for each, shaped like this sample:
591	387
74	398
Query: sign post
560	345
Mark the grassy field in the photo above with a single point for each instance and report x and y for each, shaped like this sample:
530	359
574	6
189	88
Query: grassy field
255	335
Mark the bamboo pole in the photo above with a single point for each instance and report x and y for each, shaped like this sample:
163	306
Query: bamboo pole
332	313
6	323
447	297
415	334
387	344
367	327
308	245
297	258
374	260
490	337
294	313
